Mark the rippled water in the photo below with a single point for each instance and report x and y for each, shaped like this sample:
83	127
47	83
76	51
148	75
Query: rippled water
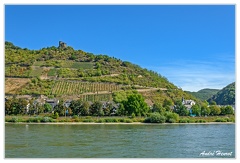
119	140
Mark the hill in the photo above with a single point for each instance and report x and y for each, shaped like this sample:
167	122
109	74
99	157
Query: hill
204	94
225	96
66	73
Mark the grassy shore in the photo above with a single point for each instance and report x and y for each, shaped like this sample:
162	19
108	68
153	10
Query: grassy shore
115	119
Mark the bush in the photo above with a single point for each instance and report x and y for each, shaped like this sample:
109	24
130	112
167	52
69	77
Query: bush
88	120
200	121
171	120
55	115
220	120
171	117
14	119
184	120
46	119
121	120
111	120
128	121
155	118
34	119
100	121
75	117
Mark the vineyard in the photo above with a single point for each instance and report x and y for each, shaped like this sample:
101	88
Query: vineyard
77	88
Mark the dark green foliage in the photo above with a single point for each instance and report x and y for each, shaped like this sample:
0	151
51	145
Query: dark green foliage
226	110
181	109
155	118
196	109
215	110
226	96
60	109
135	104
205	110
47	107
15	106
79	107
204	94
157	107
96	109
171	117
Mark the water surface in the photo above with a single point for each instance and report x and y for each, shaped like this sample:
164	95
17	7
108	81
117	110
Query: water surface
119	140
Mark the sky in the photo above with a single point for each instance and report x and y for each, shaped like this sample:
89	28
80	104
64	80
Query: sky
193	46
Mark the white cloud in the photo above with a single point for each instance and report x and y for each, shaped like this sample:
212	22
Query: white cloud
195	75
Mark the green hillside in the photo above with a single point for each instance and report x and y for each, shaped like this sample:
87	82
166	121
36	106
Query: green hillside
225	96
204	94
67	73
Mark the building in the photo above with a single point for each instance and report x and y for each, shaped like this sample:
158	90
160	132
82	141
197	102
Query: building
67	103
52	102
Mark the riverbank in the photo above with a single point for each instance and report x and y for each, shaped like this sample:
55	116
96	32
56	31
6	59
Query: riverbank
117	123
45	119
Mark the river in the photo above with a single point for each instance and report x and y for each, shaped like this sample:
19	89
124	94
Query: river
119	140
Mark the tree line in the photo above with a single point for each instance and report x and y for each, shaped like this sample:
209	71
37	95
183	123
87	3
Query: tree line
125	103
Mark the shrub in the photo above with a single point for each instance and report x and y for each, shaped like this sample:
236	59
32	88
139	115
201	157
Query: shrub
200	121
14	119
100	121
170	117
220	120
121	120
184	120
88	120
128	120
111	120
55	115
171	120
46	119
75	117
155	118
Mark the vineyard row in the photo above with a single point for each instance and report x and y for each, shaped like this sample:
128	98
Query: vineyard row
76	88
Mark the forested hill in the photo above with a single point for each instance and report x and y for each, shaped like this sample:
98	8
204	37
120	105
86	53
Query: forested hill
64	72
225	96
204	94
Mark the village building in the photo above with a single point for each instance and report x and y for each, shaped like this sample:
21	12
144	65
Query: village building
52	102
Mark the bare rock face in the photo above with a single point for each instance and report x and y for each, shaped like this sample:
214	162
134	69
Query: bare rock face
62	45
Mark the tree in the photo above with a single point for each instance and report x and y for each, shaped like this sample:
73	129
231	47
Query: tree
196	109
47	107
96	109
215	110
15	106
158	108
108	108
205	111
180	109
167	104
226	110
120	110
135	104
60	108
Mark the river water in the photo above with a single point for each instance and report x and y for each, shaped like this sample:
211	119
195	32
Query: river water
119	140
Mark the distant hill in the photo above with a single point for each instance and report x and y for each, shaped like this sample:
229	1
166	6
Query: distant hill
204	94
63	72
225	96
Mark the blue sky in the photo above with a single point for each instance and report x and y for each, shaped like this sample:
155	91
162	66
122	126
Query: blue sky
193	46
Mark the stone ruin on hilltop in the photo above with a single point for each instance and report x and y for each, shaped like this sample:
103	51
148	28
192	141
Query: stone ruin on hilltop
62	45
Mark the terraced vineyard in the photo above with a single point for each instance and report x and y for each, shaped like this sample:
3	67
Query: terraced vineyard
77	88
